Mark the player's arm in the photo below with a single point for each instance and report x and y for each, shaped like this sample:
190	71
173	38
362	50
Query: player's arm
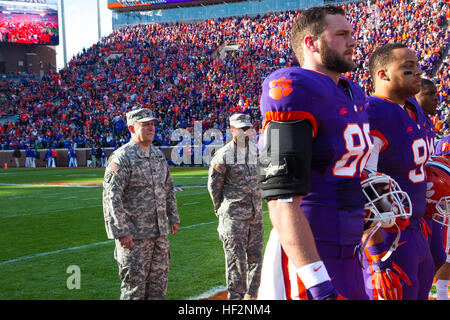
385	273
284	177
293	230
378	145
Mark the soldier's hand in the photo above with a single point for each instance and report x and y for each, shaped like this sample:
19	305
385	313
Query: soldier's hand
127	241
174	228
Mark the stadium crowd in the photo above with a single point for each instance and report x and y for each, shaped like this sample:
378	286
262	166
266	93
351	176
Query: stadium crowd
184	74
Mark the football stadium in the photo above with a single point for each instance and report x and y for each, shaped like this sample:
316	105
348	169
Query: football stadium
193	65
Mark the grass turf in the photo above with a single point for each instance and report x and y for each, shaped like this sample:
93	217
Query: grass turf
51	219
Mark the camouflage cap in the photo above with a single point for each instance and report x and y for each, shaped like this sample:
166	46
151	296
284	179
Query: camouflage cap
140	115
240	120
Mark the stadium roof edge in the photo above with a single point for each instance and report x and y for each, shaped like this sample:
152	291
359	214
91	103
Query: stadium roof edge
117	6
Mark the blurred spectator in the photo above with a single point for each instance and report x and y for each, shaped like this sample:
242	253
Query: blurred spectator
37	156
54	157
48	157
29	156
72	157
17	154
98	156
93	158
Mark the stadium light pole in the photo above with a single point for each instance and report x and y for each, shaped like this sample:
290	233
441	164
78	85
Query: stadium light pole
63	19
99	21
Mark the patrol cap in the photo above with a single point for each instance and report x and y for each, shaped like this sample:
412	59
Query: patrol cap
240	120
140	115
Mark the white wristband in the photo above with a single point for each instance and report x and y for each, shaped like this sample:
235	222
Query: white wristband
313	274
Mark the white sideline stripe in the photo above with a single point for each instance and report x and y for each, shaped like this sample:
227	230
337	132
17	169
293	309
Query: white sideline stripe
93	245
67	198
208	293
198	225
47	185
81	186
84	246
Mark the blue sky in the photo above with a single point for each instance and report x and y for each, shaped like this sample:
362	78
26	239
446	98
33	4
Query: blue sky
81	26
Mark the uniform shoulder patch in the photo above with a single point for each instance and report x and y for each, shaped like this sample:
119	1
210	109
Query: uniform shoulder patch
114	167
219	168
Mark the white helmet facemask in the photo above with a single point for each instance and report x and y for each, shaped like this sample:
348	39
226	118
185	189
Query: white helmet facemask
442	214
385	202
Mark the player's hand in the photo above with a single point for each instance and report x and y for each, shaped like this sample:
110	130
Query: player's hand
387	276
127	241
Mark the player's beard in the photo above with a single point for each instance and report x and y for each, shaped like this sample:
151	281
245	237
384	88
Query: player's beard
333	61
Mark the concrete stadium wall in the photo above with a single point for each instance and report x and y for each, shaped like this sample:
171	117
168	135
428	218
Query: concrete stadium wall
82	154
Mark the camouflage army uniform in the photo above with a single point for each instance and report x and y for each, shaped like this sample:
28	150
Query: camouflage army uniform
138	199
237	202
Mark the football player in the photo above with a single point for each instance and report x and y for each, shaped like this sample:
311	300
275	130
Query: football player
315	143
401	148
438	210
428	100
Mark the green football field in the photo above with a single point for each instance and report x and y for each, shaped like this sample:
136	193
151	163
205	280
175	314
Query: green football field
52	231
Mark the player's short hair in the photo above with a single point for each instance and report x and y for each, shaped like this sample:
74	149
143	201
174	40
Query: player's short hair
427	83
382	57
310	21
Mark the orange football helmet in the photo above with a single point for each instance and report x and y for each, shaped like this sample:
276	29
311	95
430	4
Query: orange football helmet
438	200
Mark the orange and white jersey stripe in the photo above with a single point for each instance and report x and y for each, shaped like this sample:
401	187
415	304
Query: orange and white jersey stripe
294	287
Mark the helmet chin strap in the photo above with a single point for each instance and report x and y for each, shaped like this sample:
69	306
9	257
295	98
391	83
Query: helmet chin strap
393	246
371	233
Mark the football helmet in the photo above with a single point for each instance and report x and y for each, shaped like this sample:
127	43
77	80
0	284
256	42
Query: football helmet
438	199
386	206
385	200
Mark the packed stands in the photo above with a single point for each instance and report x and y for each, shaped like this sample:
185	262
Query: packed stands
199	72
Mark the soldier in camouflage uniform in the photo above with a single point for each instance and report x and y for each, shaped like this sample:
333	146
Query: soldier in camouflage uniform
138	199
232	184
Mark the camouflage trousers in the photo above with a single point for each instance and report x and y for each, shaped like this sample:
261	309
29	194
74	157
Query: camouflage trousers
144	269
242	243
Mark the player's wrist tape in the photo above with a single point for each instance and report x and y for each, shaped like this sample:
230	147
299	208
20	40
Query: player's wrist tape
377	251
322	291
313	274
